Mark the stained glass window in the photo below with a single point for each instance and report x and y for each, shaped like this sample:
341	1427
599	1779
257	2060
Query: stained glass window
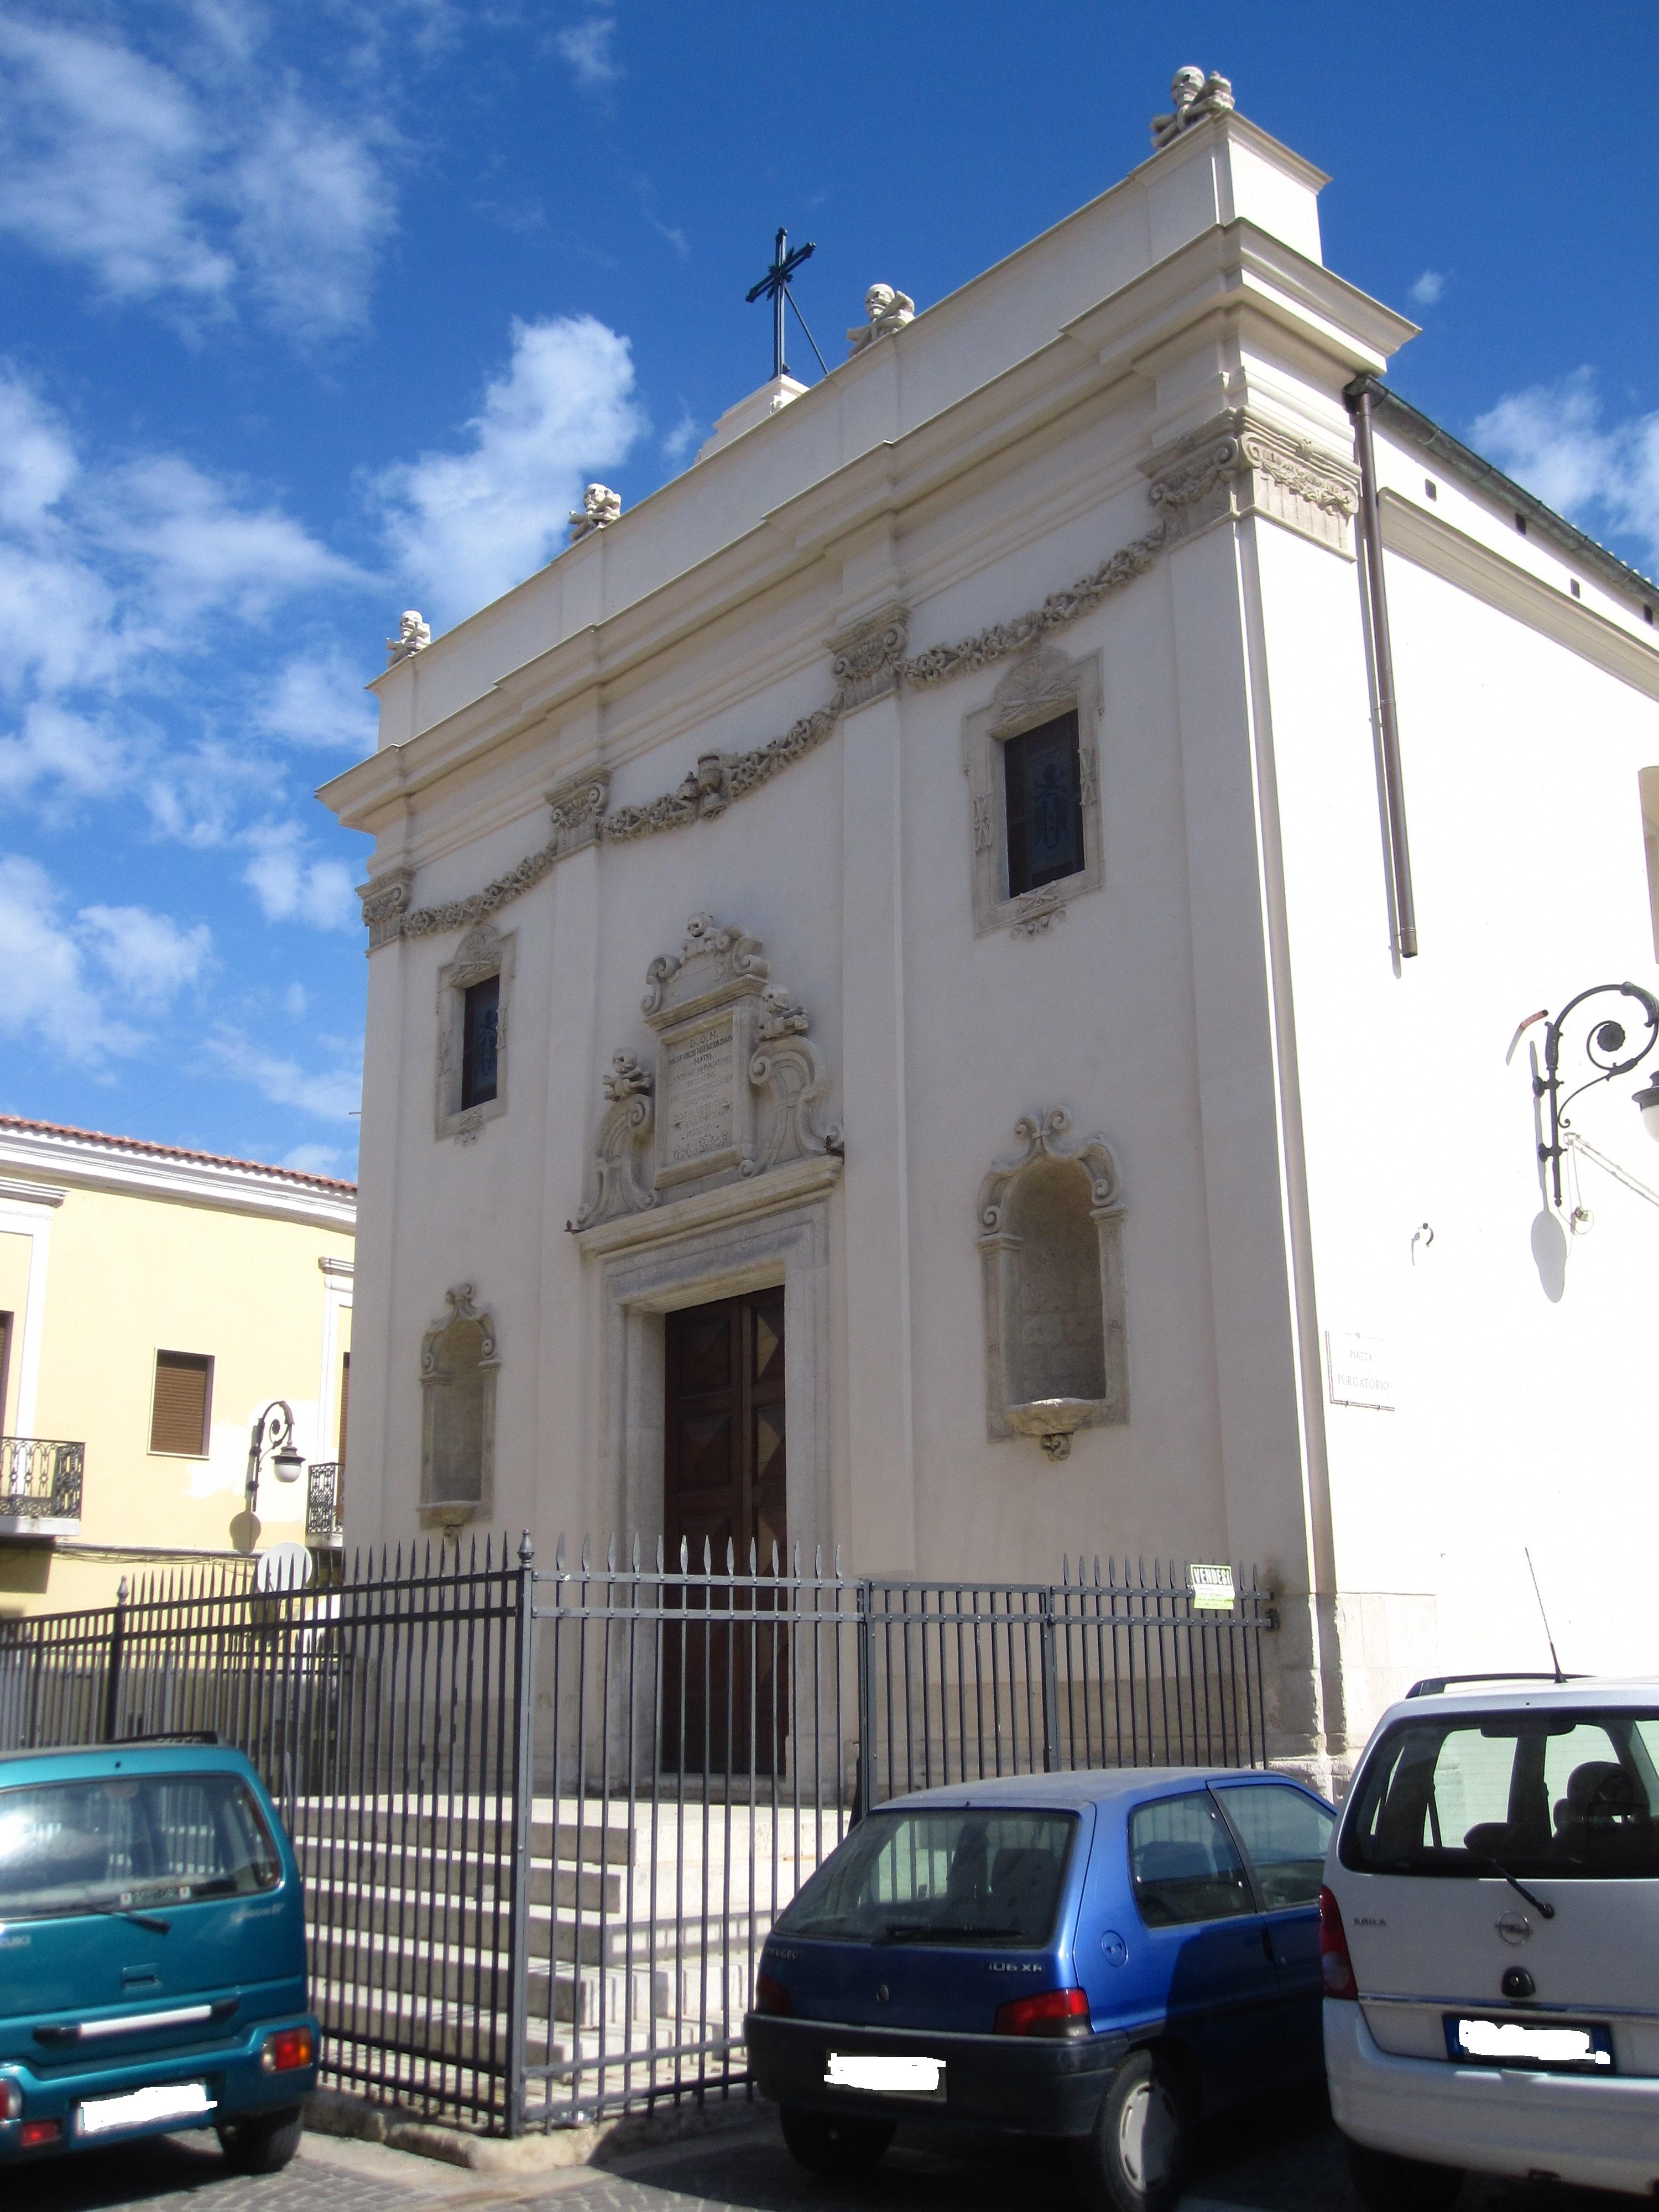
1045	805
480	1027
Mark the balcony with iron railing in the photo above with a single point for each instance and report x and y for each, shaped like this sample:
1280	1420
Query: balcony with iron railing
324	1503
40	1486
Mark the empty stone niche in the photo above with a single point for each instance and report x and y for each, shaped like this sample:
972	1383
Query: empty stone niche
1051	1242
458	1414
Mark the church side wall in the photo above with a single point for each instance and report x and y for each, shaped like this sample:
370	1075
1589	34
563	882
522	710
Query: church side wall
1518	1356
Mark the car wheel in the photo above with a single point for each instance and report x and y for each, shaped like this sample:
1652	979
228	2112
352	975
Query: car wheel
1136	2158
1386	2182
839	2149
263	2144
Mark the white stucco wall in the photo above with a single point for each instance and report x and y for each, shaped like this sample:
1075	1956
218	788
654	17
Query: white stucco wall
1287	1101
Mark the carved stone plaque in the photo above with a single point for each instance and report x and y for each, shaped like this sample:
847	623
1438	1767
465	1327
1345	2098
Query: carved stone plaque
737	1086
699	1075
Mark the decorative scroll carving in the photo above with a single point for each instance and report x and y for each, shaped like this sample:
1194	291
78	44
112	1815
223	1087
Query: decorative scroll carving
737	1087
621	1147
1050	1241
869	657
1239	464
1004	639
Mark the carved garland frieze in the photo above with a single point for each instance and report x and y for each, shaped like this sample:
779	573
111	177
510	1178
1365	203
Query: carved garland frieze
1236	465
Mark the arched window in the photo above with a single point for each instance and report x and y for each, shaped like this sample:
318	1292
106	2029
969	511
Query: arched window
458	1414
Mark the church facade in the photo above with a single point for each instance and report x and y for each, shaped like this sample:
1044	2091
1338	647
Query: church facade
944	986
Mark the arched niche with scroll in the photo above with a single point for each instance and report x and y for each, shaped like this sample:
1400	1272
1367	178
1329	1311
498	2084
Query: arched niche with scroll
1051	1244
458	1365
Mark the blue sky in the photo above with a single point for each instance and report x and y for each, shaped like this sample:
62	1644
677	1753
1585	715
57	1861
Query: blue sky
315	313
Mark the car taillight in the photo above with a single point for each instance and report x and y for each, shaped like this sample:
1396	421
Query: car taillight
287	2050
33	2133
1335	1967
11	2099
1055	2012
770	1996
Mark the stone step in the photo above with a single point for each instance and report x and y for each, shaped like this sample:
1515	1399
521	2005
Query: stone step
341	1874
574	1833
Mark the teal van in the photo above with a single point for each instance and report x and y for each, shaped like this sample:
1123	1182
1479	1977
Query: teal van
152	1955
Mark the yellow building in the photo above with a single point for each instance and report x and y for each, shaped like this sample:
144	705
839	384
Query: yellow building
154	1303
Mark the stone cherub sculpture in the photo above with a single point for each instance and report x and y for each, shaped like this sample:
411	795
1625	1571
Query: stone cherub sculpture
888	310
413	633
1194	97
600	507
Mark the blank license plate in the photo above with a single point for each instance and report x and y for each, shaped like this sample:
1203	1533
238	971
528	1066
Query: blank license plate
891	2077
1578	2046
142	2108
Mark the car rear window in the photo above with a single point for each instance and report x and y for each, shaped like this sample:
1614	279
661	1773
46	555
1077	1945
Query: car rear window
130	1841
1569	1795
956	1876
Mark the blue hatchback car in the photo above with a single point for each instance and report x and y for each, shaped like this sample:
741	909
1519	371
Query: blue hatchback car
152	1955
1103	1957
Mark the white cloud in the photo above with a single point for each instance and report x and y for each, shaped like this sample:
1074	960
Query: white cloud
465	527
295	1001
685	434
292	886
45	995
320	702
191	182
1551	439
114	578
334	1094
587	47
1430	289
148	955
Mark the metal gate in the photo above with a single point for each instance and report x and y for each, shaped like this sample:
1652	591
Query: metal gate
546	1817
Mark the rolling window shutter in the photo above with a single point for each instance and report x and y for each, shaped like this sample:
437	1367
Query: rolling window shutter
180	1416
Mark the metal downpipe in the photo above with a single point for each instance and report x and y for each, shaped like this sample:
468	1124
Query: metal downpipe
1359	398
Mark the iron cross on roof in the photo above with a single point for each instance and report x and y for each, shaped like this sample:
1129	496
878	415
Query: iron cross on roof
775	286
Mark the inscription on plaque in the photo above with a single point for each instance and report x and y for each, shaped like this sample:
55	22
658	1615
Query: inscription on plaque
698	1073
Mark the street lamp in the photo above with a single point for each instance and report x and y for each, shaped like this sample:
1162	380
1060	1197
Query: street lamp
272	1438
1604	1048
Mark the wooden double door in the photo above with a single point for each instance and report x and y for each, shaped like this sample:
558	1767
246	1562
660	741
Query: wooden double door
725	1694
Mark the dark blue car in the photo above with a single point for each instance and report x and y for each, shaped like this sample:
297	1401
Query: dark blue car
152	1955
1105	1957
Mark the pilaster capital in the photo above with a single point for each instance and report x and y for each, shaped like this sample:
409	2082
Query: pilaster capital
1241	463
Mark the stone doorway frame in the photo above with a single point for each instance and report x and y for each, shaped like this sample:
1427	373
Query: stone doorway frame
746	1237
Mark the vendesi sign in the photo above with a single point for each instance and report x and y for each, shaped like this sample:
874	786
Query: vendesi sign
1360	1369
1212	1588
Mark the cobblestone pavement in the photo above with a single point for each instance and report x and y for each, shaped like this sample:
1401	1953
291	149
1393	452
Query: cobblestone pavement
1280	2158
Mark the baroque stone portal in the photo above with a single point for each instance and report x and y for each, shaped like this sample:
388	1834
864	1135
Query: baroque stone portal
737	1087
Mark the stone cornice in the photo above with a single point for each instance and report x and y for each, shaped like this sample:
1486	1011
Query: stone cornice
679	1217
1223	272
868	661
1458	559
229	1187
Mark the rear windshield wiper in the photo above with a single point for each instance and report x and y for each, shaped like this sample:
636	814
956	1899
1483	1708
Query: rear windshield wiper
927	1931
1538	1904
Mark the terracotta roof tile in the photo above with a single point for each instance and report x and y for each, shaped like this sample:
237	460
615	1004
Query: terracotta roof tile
148	1150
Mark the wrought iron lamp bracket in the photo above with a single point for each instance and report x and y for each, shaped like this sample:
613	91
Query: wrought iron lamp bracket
1603	1047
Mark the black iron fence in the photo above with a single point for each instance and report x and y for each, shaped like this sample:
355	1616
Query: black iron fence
547	1817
